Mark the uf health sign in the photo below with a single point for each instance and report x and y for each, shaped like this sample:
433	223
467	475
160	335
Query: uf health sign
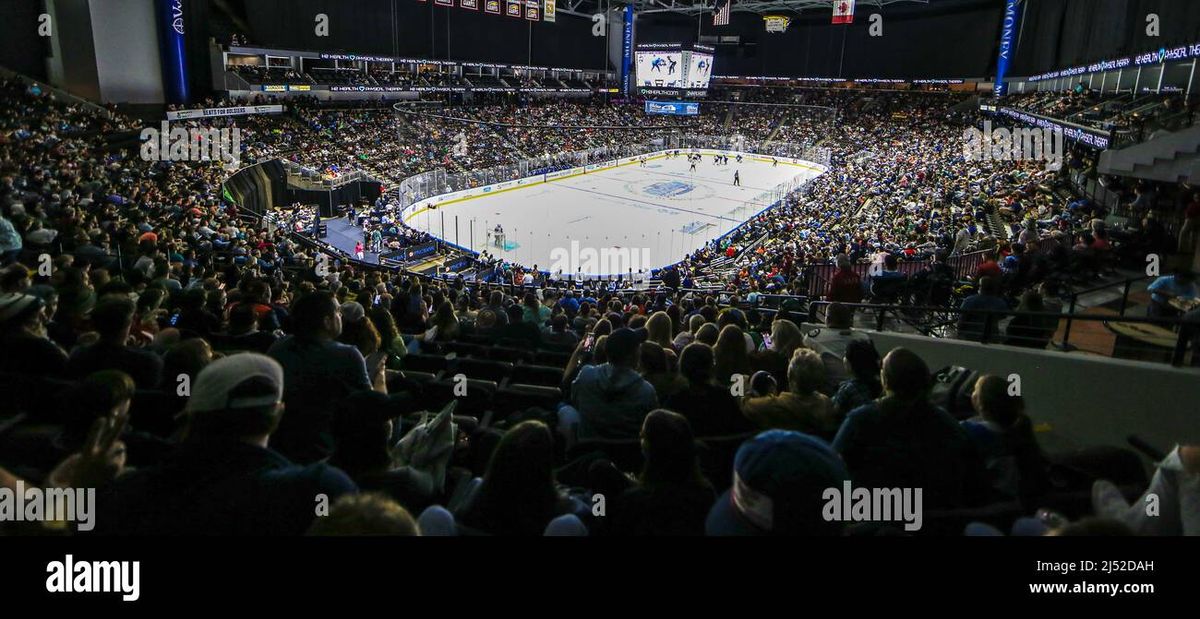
681	108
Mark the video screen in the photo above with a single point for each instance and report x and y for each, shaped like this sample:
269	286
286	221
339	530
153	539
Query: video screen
699	70
660	69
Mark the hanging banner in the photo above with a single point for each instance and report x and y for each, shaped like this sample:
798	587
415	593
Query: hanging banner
533	10
491	6
1008	34
173	51
469	4
777	23
627	50
444	2
548	9
512	8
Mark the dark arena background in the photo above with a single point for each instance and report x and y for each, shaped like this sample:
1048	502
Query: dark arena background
651	273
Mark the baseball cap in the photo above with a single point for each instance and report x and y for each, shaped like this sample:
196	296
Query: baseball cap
352	311
229	384
623	343
779	478
16	306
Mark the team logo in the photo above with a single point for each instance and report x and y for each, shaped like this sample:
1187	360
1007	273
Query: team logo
669	189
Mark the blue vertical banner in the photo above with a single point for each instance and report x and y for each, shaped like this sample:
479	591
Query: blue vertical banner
627	51
171	27
1008	38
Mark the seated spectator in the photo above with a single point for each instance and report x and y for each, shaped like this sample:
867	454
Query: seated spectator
732	357
518	494
687	336
655	367
780	478
1003	437
368	514
710	408
557	335
610	400
1175	491
785	339
831	342
223	480
318	371
901	440
887	286
1179	285
862	387
1031	331
23	336
362	435
978	311
671	496
801	407
113	320
243	332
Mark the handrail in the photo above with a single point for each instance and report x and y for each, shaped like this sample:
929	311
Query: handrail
1185	330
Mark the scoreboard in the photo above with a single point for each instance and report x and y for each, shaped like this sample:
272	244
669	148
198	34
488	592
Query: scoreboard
673	70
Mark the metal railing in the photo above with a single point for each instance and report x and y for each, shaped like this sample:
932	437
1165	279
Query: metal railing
1154	339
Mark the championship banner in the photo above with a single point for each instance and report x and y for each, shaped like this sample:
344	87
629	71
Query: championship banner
548	9
533	10
469	4
491	6
777	23
843	12
512	8
449	3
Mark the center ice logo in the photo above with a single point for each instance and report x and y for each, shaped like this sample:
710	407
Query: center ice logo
669	189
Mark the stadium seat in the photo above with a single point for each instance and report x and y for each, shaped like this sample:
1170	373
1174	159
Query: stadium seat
483	369
425	363
537	375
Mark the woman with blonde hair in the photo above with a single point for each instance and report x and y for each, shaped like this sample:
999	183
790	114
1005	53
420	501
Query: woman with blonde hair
731	356
687	336
658	329
785	339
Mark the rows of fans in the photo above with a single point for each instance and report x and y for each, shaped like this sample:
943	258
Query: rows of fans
301	377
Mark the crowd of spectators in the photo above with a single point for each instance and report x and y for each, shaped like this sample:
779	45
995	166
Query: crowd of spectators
211	375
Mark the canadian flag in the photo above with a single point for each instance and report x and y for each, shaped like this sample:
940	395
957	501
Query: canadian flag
843	11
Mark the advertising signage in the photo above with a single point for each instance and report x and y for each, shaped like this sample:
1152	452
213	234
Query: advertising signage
673	108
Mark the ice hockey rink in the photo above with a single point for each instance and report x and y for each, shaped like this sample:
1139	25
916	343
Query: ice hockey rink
659	212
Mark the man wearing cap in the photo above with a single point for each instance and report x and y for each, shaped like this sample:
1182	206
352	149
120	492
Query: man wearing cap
27	348
779	479
610	400
223	479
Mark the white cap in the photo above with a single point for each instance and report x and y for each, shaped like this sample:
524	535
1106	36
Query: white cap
215	388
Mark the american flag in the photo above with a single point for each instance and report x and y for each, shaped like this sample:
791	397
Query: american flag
721	15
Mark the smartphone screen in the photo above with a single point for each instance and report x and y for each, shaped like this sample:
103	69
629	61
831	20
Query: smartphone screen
589	343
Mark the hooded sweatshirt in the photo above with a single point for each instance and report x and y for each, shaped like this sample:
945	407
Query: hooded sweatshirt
612	401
